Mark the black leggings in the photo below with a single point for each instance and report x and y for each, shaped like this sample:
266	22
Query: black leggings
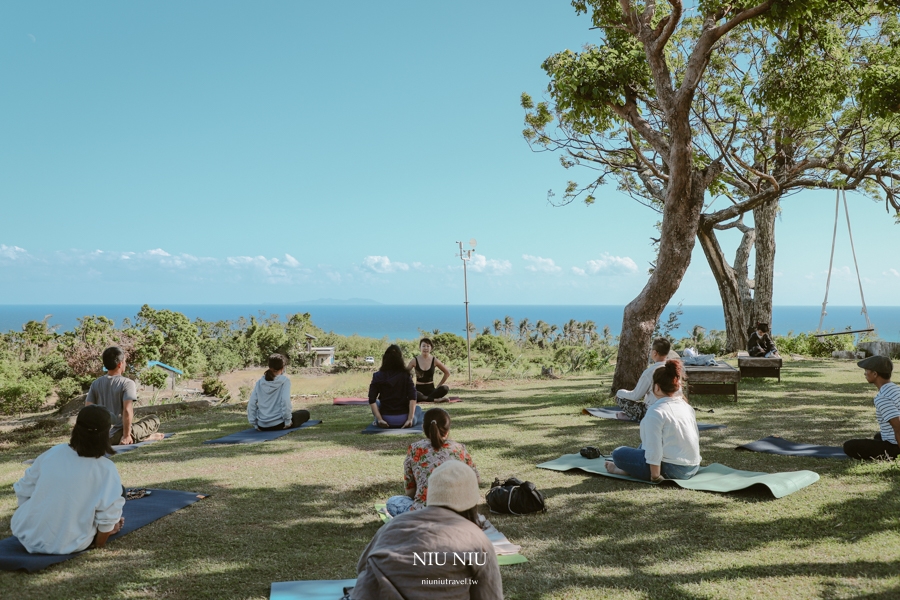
871	449
426	392
298	418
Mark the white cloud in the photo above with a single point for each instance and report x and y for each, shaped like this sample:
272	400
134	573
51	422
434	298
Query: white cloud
481	264
383	264
158	252
538	263
611	265
893	272
12	252
578	271
291	261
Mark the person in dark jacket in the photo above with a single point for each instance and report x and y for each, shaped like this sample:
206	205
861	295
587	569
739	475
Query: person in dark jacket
760	343
392	394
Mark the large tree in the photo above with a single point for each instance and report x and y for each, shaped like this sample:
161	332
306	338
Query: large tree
626	106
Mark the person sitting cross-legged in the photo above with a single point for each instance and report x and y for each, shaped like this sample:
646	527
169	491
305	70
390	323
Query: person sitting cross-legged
70	498
887	413
392	395
423	457
117	394
269	407
670	444
760	343
634	402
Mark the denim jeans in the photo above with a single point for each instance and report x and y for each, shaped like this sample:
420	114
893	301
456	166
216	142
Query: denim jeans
397	505
632	461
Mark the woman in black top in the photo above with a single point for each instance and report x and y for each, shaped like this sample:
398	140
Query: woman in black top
424	365
392	396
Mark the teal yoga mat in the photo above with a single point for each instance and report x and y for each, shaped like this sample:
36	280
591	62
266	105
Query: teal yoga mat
310	590
711	478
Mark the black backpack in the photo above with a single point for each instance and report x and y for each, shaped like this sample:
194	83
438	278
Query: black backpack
514	497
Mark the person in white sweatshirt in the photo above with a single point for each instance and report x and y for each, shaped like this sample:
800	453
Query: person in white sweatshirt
670	444
269	408
634	402
70	498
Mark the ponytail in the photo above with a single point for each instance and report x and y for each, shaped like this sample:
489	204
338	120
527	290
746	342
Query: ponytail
669	376
276	363
437	426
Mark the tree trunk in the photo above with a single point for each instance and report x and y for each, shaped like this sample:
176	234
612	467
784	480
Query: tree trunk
764	219
732	282
681	217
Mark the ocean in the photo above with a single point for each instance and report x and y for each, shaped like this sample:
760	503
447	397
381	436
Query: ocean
405	322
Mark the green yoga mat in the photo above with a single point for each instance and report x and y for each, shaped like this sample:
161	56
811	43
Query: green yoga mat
711	478
502	559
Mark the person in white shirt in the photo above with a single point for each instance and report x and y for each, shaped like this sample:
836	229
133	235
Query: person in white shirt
670	442
269	408
70	498
634	402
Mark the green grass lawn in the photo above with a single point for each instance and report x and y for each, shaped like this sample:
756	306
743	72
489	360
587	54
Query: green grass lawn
301	507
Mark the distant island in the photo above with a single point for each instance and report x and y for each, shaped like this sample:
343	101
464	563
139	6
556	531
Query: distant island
338	302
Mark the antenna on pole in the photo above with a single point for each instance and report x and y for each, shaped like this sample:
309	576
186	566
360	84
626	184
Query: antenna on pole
465	256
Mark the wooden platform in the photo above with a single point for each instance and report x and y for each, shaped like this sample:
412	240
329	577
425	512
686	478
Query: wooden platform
752	366
722	379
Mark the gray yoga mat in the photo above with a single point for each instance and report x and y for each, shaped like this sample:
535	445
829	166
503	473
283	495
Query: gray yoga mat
120	448
310	590
609	412
777	445
375	429
711	478
251	436
137	513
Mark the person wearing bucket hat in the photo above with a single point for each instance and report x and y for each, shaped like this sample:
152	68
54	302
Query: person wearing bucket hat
70	498
887	413
438	552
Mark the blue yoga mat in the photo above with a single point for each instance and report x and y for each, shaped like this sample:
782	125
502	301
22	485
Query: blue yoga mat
609	412
137	513
251	436
310	590
777	445
129	447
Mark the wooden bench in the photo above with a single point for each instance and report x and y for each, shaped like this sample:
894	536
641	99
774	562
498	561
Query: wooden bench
759	366
722	379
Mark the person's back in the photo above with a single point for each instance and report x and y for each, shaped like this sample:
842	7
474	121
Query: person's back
422	459
111	392
269	407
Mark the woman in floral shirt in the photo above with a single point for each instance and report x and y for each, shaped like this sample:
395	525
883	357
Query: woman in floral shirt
425	456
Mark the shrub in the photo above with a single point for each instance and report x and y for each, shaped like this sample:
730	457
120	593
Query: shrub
494	349
807	344
155	378
18	394
216	388
449	346
243	393
68	388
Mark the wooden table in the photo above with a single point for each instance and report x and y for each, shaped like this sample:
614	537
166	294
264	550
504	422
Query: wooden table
759	366
722	379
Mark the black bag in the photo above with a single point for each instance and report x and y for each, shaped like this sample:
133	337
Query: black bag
514	497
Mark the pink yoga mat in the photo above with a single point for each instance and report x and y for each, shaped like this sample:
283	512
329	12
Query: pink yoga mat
350	401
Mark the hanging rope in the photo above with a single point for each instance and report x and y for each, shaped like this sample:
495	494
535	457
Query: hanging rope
864	312
837	204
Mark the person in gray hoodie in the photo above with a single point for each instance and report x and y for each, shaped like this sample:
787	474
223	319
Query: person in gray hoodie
269	407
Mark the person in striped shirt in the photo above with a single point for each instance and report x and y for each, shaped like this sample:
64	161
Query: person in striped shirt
887	413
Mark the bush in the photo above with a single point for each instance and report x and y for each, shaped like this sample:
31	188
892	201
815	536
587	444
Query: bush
68	388
495	349
155	378
449	346
18	395
807	344
216	388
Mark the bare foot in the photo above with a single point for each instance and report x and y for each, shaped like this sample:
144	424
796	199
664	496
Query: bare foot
155	437
611	468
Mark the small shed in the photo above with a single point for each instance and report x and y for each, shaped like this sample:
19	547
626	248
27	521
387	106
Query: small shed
172	371
324	355
309	340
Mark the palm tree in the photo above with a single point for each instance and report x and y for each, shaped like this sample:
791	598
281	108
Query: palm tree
508	325
498	326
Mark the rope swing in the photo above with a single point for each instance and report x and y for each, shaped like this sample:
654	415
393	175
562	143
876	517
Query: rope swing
864	312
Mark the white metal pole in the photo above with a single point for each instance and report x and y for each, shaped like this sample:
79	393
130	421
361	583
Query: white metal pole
468	343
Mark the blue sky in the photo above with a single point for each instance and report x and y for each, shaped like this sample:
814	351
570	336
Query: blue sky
225	152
